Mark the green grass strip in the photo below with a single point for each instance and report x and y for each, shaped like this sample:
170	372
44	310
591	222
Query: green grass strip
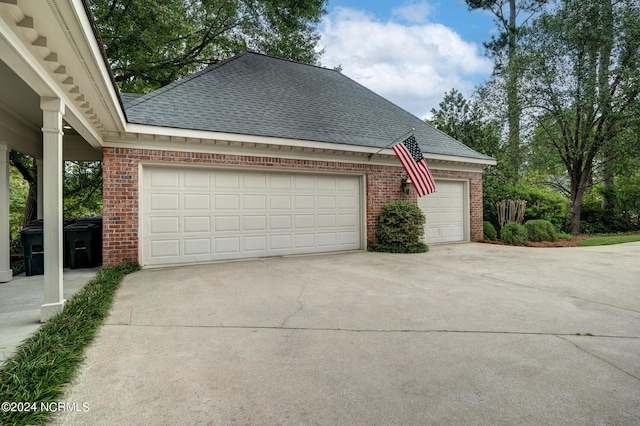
47	361
603	241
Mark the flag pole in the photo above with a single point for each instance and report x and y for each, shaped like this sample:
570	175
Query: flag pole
402	138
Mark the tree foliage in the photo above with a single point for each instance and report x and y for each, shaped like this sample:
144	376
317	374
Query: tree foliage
505	51
151	43
583	84
465	120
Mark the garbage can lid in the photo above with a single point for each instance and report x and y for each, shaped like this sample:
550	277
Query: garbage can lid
31	231
81	226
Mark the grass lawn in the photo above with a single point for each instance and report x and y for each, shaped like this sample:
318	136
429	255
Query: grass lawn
607	240
47	361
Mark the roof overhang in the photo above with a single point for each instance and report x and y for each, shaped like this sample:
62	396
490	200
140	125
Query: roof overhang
51	46
140	136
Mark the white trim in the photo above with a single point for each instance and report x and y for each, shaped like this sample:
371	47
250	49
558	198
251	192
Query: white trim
181	140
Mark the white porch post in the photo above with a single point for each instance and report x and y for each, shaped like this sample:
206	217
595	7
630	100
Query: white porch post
52	110
39	199
5	255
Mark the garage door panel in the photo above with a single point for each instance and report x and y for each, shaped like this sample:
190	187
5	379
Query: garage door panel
164	179
326	202
280	222
255	223
253	244
227	223
197	179
227	180
164	248
278	182
163	225
445	212
280	242
196	224
227	245
282	202
304	202
197	246
254	181
197	201
191	214
227	202
254	202
165	202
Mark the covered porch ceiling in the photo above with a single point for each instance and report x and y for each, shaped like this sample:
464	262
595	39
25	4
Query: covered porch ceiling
21	122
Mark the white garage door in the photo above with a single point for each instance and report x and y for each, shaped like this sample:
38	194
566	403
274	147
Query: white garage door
195	214
445	212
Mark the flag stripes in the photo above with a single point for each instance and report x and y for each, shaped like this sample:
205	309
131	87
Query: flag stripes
410	156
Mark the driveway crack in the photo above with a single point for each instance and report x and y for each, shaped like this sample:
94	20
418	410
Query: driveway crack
300	306
599	357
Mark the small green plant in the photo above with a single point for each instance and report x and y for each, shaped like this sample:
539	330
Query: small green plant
541	230
513	233
564	236
400	229
489	231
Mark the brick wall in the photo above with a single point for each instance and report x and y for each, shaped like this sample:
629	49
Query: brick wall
120	191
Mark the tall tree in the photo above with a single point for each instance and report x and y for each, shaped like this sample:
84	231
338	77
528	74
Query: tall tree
583	84
464	120
504	50
151	43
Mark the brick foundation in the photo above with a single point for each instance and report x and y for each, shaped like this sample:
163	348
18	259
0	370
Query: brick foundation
121	185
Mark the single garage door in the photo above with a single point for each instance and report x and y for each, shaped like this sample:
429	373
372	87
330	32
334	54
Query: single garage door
445	212
195	214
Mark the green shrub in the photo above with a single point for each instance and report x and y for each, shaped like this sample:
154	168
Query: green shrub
513	233
489	231
564	236
400	229
543	203
541	230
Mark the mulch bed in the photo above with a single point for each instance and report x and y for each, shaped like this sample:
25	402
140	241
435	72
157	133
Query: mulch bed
573	242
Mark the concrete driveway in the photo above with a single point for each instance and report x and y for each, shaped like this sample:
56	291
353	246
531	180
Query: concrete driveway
464	334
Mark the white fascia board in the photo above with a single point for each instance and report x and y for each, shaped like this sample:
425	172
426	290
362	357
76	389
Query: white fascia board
103	78
185	140
144	129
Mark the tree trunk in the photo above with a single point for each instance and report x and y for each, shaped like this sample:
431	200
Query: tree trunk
513	103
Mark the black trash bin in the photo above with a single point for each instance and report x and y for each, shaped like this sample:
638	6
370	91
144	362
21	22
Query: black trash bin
80	243
96	245
33	250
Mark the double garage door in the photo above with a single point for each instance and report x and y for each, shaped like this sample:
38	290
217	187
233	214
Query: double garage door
198	214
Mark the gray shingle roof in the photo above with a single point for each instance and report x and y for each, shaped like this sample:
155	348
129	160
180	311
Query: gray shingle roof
260	95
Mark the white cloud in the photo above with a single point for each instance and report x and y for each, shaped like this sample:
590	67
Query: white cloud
412	65
413	12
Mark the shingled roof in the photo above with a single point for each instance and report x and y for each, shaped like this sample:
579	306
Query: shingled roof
255	94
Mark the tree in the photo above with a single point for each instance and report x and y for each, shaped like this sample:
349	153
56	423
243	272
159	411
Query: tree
465	121
504	49
151	43
583	84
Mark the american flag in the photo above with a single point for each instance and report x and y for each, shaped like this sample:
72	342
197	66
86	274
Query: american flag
410	156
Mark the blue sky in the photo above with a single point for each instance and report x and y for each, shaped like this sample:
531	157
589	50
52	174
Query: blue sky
411	52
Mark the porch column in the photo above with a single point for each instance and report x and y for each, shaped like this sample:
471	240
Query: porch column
39	200
5	265
52	110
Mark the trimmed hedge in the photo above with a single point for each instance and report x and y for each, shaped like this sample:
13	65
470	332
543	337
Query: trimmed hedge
489	231
541	230
513	233
400	229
